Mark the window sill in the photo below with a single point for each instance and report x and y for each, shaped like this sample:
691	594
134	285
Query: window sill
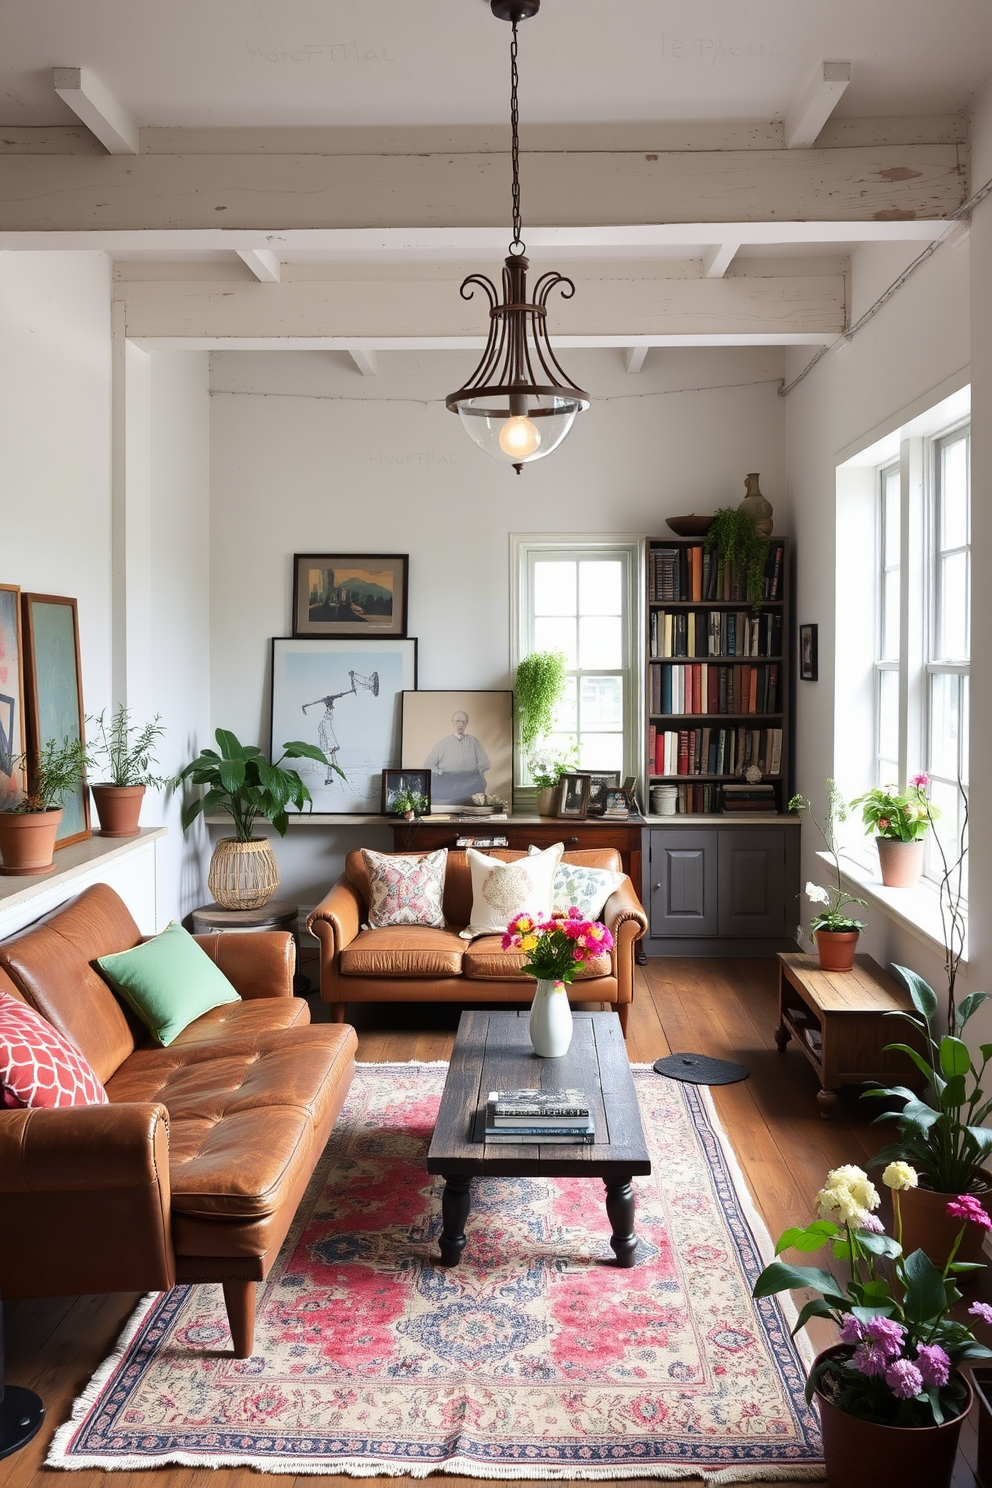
915	910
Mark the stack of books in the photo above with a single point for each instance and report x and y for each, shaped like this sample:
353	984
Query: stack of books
740	799
539	1116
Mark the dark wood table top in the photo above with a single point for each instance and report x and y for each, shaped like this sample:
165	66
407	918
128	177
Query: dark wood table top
493	1052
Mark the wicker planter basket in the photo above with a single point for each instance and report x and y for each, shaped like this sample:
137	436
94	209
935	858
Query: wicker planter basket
243	875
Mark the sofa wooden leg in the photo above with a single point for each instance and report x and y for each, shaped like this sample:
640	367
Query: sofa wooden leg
239	1298
623	1013
337	1012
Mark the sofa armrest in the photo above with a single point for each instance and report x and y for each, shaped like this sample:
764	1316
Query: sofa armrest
335	922
624	917
257	963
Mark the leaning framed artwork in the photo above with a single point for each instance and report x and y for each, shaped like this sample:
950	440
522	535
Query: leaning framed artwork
350	594
53	693
573	795
465	739
11	697
343	695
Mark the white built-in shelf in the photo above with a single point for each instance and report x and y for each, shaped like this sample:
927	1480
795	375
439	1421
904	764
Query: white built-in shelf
70	863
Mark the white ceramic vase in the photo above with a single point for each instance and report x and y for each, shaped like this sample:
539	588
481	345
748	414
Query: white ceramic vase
550	1025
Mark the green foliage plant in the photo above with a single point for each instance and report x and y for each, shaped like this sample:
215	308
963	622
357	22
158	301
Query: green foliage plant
54	774
902	816
128	749
242	782
539	688
737	541
836	898
547	766
406	800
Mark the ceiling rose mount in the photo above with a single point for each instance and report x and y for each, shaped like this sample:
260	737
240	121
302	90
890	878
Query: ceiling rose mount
519	403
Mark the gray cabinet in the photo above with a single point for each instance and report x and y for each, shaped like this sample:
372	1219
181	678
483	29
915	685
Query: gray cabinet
683	895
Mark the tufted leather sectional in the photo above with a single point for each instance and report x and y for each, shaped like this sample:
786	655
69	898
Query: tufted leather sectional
413	963
195	1169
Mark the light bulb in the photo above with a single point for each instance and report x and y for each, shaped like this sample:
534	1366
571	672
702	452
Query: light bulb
519	438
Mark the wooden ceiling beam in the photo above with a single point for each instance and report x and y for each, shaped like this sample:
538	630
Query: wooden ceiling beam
97	109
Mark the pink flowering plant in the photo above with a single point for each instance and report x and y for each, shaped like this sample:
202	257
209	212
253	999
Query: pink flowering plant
899	1350
557	947
902	816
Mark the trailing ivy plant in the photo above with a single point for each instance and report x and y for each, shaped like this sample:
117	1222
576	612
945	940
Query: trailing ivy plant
538	691
739	543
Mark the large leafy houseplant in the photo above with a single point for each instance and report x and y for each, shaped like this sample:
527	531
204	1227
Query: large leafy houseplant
241	782
739	544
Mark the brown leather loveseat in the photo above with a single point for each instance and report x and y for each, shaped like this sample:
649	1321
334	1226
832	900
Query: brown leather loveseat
194	1170
412	963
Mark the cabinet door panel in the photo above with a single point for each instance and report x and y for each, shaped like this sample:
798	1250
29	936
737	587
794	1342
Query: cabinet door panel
752	882
683	882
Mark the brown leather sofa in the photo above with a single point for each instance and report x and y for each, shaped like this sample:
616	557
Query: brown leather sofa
412	963
194	1170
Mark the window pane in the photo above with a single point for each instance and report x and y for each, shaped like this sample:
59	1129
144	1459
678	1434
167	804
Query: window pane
566	719
954	494
889	643
946	832
601	752
945	725
888	717
952	620
556	635
561	746
600	588
554	588
600	642
890	518
602	703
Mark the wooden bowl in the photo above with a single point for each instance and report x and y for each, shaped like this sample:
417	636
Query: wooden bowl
690	526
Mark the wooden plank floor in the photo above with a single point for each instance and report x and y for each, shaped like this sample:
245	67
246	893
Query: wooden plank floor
724	1008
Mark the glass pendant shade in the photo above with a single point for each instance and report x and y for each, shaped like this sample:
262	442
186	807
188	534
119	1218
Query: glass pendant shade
518	439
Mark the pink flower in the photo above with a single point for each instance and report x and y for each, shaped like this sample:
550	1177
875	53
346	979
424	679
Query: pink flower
872	1224
851	1330
934	1365
920	781
870	1358
887	1333
981	1310
904	1379
967	1207
883	824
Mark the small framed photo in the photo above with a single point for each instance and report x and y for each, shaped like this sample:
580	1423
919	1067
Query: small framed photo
350	594
630	786
599	782
405	791
573	796
617	804
808	657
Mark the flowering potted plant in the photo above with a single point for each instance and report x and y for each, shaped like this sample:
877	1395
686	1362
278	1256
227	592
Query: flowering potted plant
900	820
890	1397
834	932
556	949
546	767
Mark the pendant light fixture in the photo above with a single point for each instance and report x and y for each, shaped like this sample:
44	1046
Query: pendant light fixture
518	405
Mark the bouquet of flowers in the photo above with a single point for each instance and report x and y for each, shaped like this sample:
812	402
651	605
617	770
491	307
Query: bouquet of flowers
558	946
901	815
899	1348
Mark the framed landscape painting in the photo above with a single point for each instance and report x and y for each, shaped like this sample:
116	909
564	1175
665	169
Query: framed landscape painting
465	739
53	692
349	594
11	696
344	696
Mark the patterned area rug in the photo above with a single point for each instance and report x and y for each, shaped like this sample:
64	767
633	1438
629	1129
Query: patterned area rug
534	1358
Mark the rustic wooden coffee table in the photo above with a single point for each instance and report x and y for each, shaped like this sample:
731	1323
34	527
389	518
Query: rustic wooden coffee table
493	1052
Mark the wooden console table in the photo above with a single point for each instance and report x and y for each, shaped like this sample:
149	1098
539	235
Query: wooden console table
839	1020
521	831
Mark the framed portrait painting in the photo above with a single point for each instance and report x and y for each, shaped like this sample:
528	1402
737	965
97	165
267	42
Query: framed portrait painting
53	693
349	594
465	739
11	697
344	696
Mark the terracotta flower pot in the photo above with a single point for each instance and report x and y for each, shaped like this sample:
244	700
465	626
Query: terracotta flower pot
927	1226
863	1454
27	841
836	948
243	875
901	862
118	807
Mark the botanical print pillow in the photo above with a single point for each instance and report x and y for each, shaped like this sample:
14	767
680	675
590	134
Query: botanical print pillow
587	889
405	890
38	1067
502	890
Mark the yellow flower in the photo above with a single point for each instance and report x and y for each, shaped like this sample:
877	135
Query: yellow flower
528	942
848	1195
900	1175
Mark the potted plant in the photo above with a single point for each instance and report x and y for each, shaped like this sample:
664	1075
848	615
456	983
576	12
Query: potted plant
546	767
126	752
900	820
241	782
28	830
834	932
738	543
890	1395
407	802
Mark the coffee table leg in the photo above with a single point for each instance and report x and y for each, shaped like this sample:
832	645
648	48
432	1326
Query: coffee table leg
620	1208
456	1201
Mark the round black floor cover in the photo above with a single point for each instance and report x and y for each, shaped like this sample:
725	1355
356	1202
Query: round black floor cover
697	1069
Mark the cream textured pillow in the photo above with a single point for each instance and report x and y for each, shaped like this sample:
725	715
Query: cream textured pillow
502	890
405	891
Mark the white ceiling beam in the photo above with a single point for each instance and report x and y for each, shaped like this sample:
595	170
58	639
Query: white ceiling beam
98	109
717	260
367	362
633	359
815	104
263	263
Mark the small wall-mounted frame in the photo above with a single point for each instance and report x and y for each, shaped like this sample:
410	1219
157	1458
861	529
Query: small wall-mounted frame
404	791
808	653
350	594
599	783
573	796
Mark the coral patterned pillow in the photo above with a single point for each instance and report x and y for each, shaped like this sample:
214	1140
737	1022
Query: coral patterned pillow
38	1067
405	890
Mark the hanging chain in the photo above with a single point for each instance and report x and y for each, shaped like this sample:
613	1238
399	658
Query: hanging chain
517	245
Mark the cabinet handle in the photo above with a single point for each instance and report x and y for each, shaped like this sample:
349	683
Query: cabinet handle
573	839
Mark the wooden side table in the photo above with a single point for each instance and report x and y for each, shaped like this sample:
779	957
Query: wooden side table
278	914
839	1021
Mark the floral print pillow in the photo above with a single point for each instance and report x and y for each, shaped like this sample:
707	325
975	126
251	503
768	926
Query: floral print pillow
405	890
584	889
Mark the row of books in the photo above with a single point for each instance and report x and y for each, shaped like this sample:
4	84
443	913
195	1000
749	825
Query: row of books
713	687
691	573
714	751
539	1116
714	633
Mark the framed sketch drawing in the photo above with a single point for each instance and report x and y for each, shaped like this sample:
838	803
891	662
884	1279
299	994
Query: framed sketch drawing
349	594
465	739
343	695
53	692
11	696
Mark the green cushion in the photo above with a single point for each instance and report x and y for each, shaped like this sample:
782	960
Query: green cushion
169	981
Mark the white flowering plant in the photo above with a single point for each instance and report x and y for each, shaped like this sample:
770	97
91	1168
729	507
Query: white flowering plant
836	899
899	1351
